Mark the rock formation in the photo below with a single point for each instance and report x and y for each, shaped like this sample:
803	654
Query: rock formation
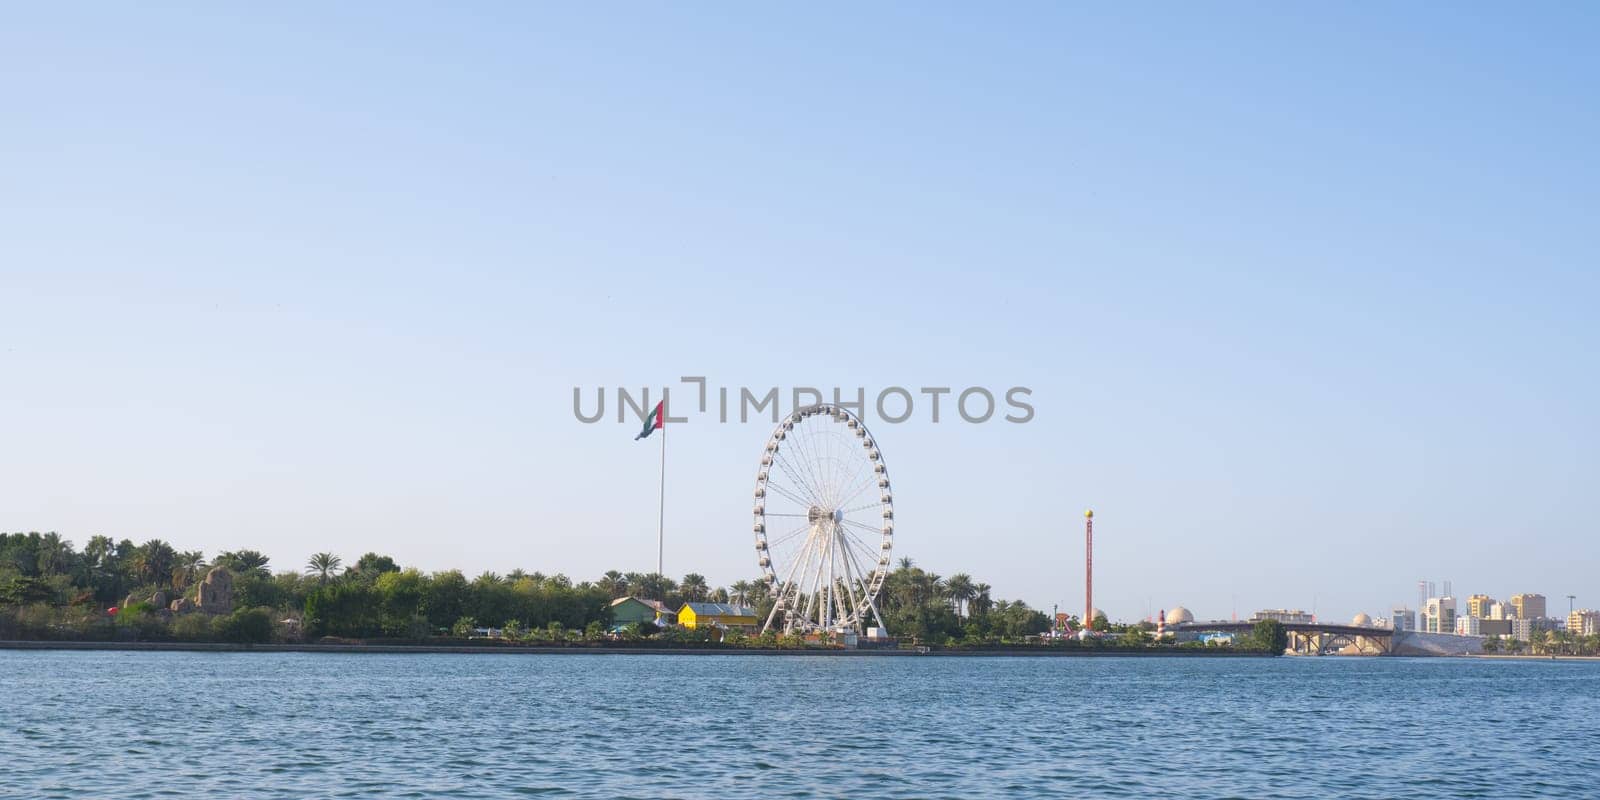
216	592
158	600
182	605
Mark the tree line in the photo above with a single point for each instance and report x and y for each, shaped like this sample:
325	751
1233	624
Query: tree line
50	589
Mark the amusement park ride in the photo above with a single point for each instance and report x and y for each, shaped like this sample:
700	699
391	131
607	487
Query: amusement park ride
824	522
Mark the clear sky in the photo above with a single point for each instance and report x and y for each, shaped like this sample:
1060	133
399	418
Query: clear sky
1306	298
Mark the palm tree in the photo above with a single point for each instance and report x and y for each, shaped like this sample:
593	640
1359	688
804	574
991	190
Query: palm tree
635	584
244	562
614	583
53	553
757	593
694	588
323	565
930	587
655	586
186	567
98	551
153	562
980	598
1539	642
741	592
961	592
516	575
906	562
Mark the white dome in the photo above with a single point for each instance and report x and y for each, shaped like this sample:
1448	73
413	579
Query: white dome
1179	615
1362	621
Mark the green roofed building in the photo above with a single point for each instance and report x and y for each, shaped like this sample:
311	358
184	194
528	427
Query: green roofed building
628	610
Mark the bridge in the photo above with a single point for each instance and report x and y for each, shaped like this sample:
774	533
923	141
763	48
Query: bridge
1311	638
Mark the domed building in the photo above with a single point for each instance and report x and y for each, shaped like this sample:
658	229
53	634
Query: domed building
1362	621
1179	615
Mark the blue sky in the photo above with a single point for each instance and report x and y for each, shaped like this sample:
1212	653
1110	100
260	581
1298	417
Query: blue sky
1305	296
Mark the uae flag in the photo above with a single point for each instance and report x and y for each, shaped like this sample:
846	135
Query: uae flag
656	419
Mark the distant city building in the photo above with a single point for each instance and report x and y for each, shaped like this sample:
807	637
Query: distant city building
1498	610
1494	627
1478	606
1283	615
1523	629
1439	615
1583	622
1403	619
1528	606
1468	626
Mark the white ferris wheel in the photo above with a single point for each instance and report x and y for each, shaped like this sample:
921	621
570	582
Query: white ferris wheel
824	522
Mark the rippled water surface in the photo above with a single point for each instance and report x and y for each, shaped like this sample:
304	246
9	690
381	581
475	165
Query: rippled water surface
291	725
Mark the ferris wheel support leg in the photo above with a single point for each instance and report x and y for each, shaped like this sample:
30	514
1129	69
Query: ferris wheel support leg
883	626
780	600
850	586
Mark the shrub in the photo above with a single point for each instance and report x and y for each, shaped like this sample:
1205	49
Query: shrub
245	626
190	628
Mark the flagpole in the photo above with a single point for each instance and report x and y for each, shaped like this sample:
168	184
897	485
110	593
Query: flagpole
661	518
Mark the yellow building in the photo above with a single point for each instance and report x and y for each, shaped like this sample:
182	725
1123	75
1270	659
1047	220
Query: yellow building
1583	623
1478	606
720	615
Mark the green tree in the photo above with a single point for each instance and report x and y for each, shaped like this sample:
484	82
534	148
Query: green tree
399	596
613	583
323	565
245	626
244	562
186	567
693	588
371	565
1269	635
961	590
446	599
153	563
343	608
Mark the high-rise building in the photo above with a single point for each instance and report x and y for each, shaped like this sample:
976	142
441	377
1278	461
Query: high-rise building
1583	622
1523	629
1498	610
1528	606
1439	616
1403	619
1468	626
1478	606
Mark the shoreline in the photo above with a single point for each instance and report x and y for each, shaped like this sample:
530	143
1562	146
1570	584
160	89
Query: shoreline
1508	657
399	649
